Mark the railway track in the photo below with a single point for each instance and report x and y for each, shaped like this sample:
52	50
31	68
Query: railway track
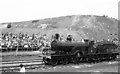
14	65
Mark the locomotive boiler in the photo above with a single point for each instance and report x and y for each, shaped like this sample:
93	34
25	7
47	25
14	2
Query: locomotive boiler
76	52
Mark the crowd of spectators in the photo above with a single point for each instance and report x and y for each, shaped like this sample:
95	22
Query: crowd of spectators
25	40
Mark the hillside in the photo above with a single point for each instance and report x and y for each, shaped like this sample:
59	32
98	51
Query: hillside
80	26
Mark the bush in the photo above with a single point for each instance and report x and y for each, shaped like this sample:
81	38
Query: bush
105	16
35	21
9	25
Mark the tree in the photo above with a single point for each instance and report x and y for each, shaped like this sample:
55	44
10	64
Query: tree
9	25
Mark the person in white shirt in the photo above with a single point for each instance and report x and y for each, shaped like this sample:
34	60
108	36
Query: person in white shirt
83	41
22	69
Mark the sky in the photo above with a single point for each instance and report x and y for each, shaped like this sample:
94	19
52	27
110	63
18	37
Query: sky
25	10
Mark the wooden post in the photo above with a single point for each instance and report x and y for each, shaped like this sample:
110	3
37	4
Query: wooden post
17	51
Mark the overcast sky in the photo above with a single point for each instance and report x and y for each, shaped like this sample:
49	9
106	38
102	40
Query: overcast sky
24	10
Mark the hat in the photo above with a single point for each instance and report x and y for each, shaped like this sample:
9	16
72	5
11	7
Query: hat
21	65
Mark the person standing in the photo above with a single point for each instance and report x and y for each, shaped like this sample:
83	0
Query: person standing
22	69
69	38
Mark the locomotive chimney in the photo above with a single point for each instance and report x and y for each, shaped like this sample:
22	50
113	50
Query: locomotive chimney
92	43
57	36
86	40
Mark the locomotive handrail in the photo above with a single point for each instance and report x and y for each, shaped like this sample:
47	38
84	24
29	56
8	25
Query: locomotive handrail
59	43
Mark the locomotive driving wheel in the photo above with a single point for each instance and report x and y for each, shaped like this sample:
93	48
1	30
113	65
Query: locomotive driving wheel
54	62
77	58
64	61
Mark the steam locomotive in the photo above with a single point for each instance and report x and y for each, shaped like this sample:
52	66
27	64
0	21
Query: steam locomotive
76	52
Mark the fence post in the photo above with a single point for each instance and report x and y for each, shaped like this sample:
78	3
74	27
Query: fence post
17	51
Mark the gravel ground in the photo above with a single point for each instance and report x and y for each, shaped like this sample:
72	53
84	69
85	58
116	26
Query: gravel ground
98	67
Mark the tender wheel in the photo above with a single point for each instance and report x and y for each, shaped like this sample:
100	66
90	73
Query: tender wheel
114	57
96	58
111	57
108	58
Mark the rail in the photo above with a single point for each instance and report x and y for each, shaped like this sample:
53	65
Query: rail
14	66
